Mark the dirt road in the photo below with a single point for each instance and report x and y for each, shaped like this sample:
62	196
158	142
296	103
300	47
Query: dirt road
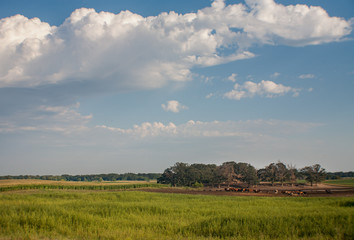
320	190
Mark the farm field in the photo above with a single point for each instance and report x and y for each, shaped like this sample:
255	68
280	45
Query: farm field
343	181
86	214
12	182
26	184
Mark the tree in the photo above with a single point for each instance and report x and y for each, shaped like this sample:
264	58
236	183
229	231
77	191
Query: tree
227	169
167	177
262	174
314	173
204	173
271	173
217	176
293	173
282	173
319	173
275	172
181	175
245	172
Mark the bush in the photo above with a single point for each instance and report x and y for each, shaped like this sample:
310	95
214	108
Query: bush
198	185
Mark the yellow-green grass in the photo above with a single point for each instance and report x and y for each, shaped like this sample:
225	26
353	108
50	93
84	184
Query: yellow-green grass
343	181
62	214
11	182
13	185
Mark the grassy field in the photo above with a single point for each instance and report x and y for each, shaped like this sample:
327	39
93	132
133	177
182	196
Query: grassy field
84	214
343	181
25	184
12	182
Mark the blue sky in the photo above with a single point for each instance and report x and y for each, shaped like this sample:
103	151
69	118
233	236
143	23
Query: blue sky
135	86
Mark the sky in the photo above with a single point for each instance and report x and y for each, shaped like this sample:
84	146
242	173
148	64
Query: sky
135	86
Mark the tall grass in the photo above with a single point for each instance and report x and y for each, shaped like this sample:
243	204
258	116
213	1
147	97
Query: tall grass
58	214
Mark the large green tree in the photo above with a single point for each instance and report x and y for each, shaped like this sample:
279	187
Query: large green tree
271	173
245	172
314	173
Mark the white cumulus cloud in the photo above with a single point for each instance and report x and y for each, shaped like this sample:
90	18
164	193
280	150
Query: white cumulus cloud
173	106
129	51
264	88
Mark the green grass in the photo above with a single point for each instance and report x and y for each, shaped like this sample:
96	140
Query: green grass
343	181
79	187
68	214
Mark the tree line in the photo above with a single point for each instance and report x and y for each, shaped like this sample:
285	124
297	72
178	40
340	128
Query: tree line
183	174
339	175
195	175
91	177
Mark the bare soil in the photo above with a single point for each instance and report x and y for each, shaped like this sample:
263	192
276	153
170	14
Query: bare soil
321	190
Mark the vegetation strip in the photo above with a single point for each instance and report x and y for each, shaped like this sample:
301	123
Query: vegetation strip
55	214
198	175
79	187
341	182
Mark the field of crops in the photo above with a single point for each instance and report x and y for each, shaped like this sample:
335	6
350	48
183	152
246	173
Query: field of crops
343	182
12	182
13	185
85	214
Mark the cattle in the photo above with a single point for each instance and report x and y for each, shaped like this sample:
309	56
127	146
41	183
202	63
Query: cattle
294	193
232	189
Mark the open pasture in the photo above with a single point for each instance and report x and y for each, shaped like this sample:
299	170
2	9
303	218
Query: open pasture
63	214
343	182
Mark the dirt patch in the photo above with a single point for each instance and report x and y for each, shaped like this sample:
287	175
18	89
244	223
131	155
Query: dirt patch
321	190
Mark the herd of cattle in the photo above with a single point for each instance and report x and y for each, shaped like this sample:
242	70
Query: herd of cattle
249	190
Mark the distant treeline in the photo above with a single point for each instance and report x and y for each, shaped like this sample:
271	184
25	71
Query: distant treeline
183	174
91	177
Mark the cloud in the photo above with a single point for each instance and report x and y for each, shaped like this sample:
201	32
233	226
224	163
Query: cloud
61	119
294	25
232	77
145	129
210	95
307	76
243	129
129	51
267	89
173	106
275	75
